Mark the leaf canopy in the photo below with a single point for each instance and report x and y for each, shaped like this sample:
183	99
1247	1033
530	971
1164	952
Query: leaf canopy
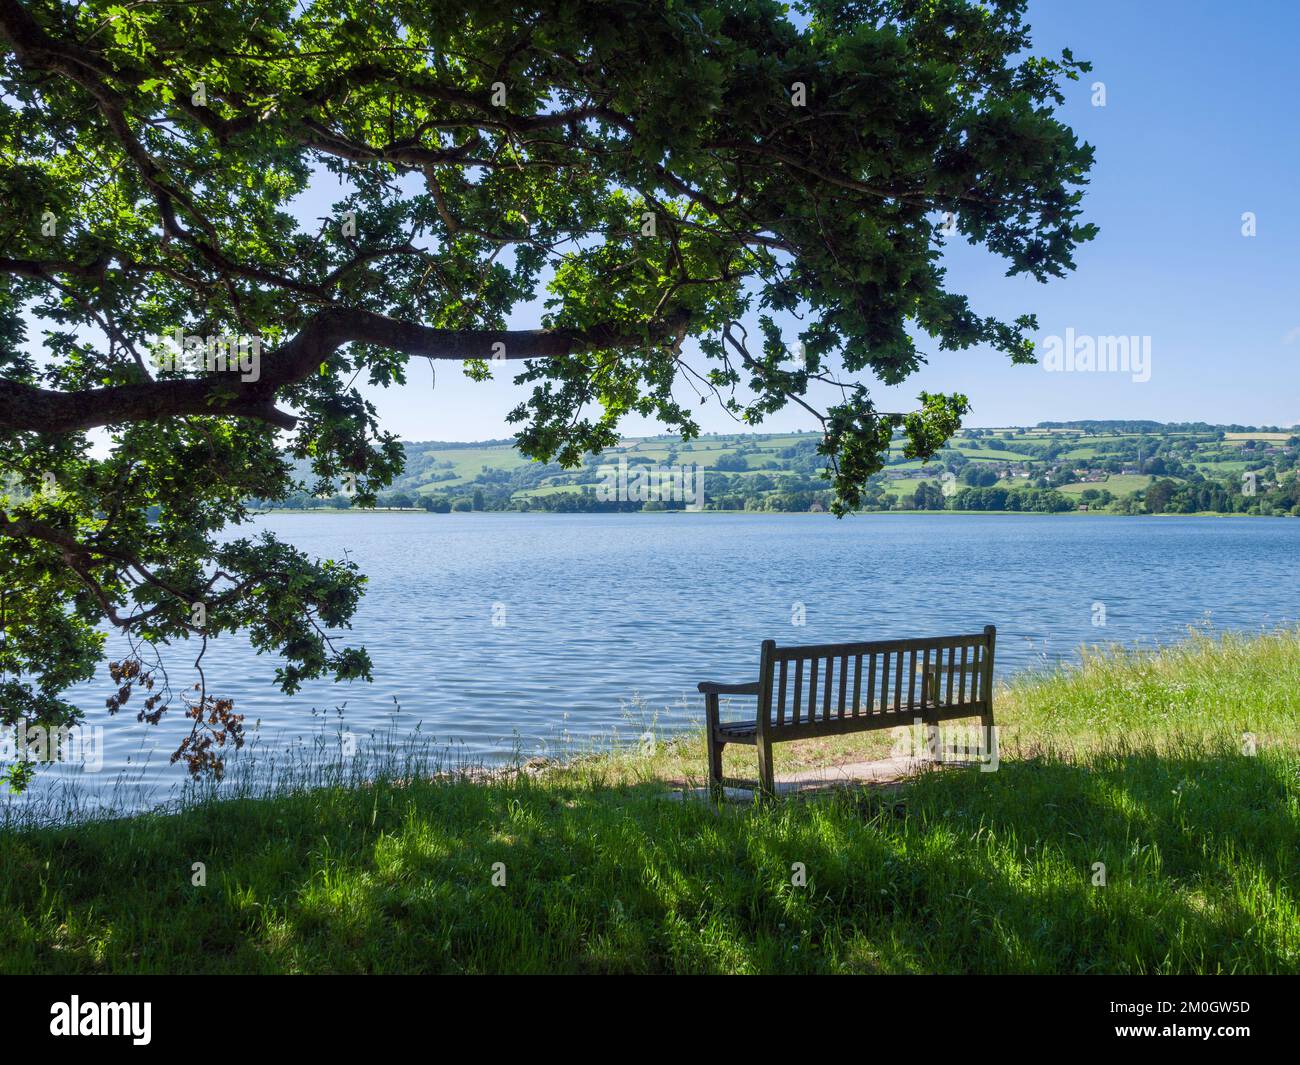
653	174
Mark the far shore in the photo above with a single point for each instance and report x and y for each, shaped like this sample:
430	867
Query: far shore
761	513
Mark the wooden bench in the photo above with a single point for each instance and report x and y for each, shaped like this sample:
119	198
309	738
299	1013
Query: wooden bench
833	689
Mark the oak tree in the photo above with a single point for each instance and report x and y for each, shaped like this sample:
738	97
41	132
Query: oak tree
670	182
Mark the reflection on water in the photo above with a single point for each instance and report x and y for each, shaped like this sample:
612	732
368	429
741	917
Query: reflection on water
505	632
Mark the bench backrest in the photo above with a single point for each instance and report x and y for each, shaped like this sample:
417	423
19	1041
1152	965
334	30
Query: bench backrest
879	684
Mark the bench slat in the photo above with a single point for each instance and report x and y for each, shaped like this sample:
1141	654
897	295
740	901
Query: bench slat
857	683
808	651
844	685
826	689
897	702
884	683
911	679
871	684
927	682
905	717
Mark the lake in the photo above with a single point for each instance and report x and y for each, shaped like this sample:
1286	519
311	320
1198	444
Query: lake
535	633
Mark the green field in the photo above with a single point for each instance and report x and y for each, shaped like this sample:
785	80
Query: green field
1179	772
1116	484
496	476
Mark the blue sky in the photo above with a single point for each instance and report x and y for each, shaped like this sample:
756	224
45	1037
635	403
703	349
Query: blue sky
1201	124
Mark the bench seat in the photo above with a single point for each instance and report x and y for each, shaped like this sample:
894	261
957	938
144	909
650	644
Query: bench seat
837	689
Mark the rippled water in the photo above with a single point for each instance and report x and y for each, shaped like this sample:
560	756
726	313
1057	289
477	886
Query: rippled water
511	631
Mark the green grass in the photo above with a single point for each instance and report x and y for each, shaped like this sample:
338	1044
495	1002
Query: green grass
989	453
907	486
1117	484
1132	760
468	462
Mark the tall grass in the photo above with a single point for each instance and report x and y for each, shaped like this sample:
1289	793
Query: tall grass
1131	765
1209	688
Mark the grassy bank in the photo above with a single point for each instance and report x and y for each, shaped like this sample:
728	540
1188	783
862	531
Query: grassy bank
1134	761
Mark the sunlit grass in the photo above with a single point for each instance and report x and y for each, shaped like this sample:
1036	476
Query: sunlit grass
1139	762
1220	688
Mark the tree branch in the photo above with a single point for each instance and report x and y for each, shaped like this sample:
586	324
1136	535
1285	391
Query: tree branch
25	407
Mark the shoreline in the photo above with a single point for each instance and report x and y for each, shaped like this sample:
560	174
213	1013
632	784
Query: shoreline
613	863
765	513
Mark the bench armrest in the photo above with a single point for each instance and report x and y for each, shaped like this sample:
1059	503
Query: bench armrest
709	687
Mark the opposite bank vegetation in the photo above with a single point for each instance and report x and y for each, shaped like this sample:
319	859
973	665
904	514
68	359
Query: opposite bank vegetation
1112	467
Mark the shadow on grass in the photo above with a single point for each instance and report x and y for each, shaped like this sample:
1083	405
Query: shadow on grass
970	872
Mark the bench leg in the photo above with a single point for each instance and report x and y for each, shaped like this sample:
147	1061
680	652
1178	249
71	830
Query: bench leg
766	778
714	746
989	735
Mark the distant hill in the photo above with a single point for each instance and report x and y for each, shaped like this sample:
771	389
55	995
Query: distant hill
1159	427
1106	465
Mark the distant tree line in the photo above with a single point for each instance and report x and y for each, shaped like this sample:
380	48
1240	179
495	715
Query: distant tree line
743	476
